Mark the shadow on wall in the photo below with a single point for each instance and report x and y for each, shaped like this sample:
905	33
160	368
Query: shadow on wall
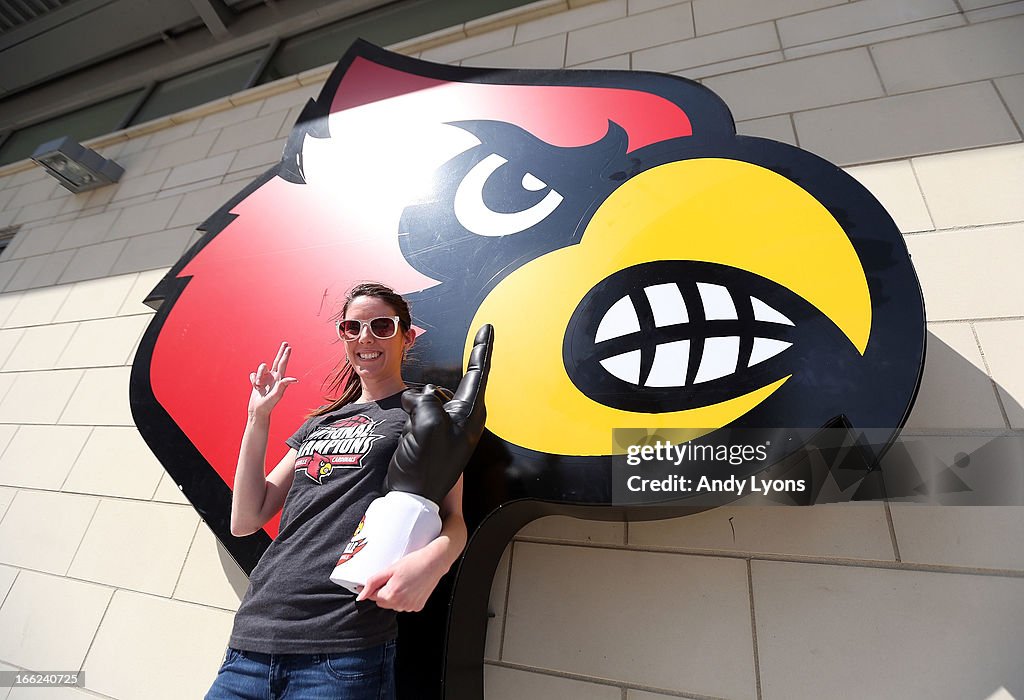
958	447
235	577
957	442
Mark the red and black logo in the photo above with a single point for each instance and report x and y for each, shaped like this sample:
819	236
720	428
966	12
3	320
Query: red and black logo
354	545
644	267
342	444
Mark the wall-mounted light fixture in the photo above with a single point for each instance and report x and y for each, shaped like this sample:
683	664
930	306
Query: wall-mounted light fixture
75	166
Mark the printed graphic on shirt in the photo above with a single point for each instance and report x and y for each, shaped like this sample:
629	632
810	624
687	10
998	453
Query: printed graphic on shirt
355	545
342	444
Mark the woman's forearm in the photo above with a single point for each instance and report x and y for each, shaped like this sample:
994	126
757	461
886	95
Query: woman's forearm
249	507
250	489
446	548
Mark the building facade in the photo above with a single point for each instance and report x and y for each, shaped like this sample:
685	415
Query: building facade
106	568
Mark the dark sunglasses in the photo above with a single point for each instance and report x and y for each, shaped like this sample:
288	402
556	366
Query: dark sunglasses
382	327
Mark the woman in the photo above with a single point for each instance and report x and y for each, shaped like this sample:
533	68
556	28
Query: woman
295	629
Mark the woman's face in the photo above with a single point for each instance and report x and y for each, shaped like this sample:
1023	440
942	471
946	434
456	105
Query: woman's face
376	361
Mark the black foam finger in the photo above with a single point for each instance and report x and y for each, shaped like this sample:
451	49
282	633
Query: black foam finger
474	382
417	399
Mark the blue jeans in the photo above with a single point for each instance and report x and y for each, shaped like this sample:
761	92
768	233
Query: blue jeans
367	674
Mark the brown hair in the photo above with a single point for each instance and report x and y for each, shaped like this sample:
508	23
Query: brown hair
344	378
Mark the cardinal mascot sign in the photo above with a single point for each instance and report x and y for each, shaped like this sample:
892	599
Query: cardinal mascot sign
646	270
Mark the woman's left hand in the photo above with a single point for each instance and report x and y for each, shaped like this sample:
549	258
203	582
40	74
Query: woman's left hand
405	585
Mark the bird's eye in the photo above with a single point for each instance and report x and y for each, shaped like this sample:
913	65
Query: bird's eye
476	216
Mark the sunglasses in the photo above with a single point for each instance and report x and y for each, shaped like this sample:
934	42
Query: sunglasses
382	327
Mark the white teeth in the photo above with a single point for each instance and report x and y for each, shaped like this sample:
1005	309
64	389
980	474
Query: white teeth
619	320
720	356
719	359
625	366
667	304
670	361
765	348
368	355
717	302
763	312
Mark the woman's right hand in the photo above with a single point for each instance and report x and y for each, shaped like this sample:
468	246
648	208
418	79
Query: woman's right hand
268	385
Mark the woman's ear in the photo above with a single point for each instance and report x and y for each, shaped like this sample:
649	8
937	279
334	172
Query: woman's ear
410	339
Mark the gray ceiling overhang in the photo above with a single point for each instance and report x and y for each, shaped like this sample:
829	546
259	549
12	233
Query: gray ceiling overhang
80	33
44	42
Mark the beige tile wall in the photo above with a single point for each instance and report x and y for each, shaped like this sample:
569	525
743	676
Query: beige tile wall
829	628
921	100
50	621
677	622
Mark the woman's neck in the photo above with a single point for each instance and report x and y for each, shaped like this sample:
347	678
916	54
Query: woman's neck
378	391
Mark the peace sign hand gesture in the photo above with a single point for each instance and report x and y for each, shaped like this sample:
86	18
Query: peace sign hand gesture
268	385
439	438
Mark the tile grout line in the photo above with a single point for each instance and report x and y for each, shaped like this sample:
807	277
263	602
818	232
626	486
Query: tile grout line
619	19
109	497
90	693
191	543
78	454
1006	106
82	540
63	270
17	573
58	367
96	632
1012	8
78	690
10	503
508	589
892	530
71	395
67	343
920	189
753	629
107	272
971	433
884	96
991	379
602	681
720	62
880	29
998	225
152	497
138	591
7	446
84	425
758	54
63	302
880	564
976	319
773	19
13	274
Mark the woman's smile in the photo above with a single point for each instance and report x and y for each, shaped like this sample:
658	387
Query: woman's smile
377	361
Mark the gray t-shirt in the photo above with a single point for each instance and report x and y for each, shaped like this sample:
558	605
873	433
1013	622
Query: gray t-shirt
291	606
